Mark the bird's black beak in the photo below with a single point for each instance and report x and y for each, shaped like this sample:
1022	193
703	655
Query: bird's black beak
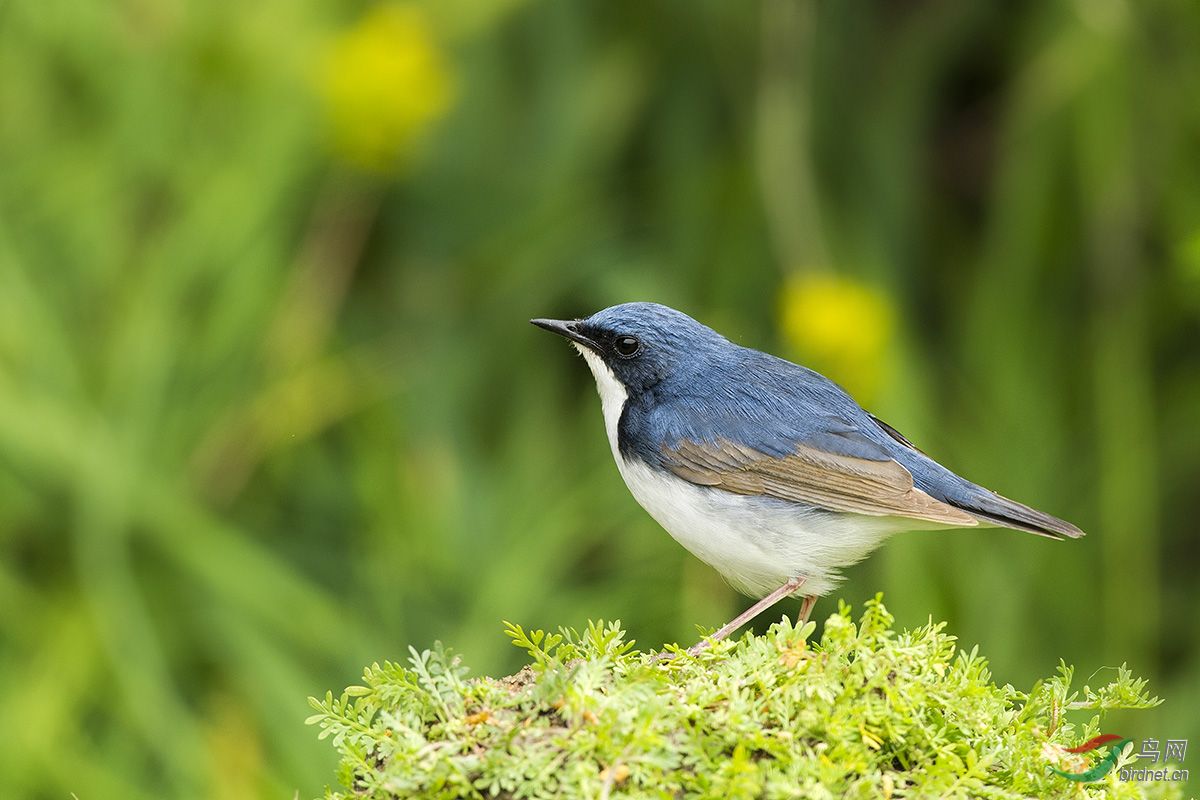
568	328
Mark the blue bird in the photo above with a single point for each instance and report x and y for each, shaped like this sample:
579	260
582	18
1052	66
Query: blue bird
765	470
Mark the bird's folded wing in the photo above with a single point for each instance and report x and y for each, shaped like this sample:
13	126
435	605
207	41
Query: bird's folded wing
812	477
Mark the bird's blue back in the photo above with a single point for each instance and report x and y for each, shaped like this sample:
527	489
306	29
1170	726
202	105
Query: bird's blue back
716	389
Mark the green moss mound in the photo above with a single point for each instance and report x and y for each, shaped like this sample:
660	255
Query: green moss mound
867	712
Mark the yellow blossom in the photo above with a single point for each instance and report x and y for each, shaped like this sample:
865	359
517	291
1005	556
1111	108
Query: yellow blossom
385	80
840	327
618	774
793	654
479	717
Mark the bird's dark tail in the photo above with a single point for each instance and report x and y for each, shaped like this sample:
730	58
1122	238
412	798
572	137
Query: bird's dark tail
998	510
982	503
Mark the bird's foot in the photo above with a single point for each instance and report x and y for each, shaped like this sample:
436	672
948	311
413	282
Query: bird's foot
806	609
750	613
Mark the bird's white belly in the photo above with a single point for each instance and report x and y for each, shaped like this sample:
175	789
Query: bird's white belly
757	544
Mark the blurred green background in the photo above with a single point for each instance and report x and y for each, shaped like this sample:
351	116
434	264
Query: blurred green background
270	408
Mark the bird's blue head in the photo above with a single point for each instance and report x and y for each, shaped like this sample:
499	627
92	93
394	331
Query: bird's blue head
641	344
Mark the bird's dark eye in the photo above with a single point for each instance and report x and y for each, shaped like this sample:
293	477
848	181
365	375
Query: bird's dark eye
627	346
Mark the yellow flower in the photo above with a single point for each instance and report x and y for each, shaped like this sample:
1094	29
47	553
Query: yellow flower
839	327
385	80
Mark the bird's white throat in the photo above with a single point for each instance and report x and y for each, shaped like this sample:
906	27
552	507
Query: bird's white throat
612	395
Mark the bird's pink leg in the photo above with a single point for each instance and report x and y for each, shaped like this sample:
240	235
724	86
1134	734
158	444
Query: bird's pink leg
750	613
806	608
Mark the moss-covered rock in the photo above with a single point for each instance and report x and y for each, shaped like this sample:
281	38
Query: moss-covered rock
867	712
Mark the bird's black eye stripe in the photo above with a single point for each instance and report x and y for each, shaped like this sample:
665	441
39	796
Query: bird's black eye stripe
627	346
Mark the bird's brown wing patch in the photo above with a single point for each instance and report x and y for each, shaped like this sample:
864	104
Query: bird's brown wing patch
812	477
